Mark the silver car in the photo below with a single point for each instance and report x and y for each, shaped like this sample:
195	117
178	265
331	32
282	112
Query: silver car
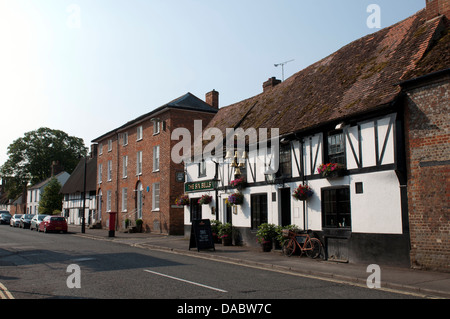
15	220
36	220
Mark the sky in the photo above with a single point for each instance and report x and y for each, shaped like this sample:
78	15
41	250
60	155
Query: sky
88	66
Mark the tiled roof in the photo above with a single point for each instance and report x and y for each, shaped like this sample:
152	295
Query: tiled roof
361	77
75	183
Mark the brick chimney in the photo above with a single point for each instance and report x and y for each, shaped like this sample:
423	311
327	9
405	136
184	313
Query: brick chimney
270	83
56	168
212	98
438	7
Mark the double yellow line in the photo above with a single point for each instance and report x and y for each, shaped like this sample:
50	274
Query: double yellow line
4	293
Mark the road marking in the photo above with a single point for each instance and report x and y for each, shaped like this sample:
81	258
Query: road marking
187	281
4	293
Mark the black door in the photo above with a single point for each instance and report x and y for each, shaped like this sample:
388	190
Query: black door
285	205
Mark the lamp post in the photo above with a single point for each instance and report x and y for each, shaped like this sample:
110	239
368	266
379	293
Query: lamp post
83	217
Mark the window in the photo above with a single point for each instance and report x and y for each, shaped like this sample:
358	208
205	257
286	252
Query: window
125	138
139	133
336	148
155	197
100	149
124	199
258	209
202	168
109	145
336	207
100	168
139	163
125	167
108	201
285	168
139	200
109	172
156	127
156	158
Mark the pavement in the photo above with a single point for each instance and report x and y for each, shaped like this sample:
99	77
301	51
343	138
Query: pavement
422	283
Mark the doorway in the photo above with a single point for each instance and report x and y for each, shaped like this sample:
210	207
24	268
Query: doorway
285	206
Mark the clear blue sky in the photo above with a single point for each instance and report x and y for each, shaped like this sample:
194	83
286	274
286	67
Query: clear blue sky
88	66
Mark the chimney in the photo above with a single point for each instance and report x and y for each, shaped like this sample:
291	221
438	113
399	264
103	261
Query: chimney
56	168
436	8
270	83
94	148
212	98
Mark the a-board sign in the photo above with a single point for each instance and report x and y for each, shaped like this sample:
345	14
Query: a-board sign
201	235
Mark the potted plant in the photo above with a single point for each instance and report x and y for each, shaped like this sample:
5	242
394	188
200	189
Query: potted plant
215	228
127	223
302	192
235	199
205	200
331	170
225	233
239	183
182	200
139	223
265	234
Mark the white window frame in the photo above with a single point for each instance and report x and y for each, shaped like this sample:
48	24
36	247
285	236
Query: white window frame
124	199
156	127
139	133
108	200
100	169
109	145
109	171
124	138
156	196
125	166
100	148
156	158
139	163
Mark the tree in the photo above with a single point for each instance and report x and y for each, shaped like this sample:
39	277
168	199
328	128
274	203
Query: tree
31	157
51	198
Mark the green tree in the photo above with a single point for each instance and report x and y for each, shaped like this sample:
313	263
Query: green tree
51	198
31	156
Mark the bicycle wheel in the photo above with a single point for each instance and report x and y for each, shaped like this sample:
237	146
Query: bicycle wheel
289	247
313	248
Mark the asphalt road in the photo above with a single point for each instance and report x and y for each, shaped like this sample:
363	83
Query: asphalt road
64	266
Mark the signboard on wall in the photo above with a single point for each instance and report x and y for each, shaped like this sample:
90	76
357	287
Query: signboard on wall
199	186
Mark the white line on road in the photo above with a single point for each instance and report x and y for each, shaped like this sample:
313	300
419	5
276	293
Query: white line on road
187	281
4	293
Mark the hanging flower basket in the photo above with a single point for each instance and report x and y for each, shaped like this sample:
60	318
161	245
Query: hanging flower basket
235	199
302	192
239	183
205	200
183	200
331	170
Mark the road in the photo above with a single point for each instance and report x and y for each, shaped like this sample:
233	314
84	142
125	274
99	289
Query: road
65	266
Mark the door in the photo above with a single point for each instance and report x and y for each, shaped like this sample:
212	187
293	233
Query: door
196	209
285	206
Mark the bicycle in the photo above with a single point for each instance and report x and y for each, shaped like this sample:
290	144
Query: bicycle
311	246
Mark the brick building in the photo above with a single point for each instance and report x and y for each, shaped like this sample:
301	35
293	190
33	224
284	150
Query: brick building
135	174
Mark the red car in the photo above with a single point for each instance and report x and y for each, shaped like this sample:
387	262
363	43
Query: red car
53	223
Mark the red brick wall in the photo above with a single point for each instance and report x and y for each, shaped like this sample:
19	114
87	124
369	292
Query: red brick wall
427	123
168	219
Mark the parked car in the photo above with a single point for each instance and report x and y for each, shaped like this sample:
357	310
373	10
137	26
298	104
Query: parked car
15	220
53	223
25	220
37	219
5	217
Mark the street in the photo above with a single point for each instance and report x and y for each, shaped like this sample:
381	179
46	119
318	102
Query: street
64	266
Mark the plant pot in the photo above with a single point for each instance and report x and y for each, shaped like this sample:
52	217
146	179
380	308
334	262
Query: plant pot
227	241
267	246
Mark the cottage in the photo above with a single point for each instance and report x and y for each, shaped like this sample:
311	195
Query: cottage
343	129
